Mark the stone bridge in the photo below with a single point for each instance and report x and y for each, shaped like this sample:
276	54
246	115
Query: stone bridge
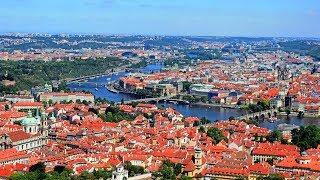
265	114
148	100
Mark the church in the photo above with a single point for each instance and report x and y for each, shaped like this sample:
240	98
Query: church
34	134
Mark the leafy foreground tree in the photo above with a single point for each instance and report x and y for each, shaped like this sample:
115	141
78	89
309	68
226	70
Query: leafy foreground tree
216	135
271	177
275	135
114	114
169	170
306	137
37	172
133	170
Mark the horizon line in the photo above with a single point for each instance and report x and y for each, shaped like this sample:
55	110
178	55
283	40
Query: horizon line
142	34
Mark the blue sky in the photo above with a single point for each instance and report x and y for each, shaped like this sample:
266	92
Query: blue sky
163	17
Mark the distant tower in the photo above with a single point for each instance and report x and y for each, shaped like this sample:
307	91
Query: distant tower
198	158
44	126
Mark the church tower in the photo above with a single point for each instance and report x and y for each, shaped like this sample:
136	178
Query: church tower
198	158
44	126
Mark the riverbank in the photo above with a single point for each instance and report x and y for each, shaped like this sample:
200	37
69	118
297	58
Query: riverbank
305	114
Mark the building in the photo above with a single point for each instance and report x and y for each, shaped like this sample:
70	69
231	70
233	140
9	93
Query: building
131	83
273	151
36	91
33	136
26	106
17	98
13	156
200	89
67	97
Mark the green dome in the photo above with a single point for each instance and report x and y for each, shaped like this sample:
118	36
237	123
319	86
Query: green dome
30	120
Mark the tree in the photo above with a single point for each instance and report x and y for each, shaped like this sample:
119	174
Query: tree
6	107
26	176
109	117
62	87
202	129
134	104
168	170
102	116
275	135
38	167
85	102
59	169
60	172
102	174
177	169
240	178
204	99
86	176
50	102
186	86
185	178
216	135
78	101
288	111
29	74
196	123
300	114
122	139
133	170
306	137
271	177
204	120
38	170
45	103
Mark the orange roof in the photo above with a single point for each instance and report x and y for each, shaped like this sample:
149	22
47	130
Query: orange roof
227	171
12	153
189	167
276	149
18	135
28	104
260	168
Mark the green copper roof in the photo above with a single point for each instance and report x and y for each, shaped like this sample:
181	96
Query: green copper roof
30	120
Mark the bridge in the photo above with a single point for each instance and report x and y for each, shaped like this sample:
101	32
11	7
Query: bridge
83	78
267	113
147	100
95	84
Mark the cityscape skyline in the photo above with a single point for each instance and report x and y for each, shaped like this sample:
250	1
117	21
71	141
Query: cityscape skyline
160	89
144	17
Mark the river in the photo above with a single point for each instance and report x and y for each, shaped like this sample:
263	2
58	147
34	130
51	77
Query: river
213	114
